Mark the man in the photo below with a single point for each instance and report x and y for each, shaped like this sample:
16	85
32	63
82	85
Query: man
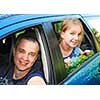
26	67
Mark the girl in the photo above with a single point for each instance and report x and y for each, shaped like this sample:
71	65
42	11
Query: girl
72	33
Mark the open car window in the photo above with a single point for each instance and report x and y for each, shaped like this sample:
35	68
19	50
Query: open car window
42	56
6	53
86	44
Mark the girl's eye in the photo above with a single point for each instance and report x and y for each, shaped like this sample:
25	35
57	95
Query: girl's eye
72	33
79	34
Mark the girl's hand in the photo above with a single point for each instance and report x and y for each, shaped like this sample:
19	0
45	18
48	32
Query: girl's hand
86	52
67	61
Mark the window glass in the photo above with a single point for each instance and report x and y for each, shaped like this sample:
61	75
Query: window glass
94	23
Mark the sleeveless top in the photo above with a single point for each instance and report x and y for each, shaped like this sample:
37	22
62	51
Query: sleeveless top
35	71
76	52
24	80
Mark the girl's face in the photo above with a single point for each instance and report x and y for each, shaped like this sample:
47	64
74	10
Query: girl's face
72	36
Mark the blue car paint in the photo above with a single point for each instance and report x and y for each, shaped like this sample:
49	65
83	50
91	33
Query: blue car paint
17	22
14	22
87	75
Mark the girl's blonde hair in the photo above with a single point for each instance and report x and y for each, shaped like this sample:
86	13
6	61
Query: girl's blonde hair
68	22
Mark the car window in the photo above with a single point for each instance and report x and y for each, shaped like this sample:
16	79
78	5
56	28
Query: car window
94	23
86	44
6	46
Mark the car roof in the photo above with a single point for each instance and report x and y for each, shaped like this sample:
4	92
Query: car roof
8	19
20	17
12	21
5	19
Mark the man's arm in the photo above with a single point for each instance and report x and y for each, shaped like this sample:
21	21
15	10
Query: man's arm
36	81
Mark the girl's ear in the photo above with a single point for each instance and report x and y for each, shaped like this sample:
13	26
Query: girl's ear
62	35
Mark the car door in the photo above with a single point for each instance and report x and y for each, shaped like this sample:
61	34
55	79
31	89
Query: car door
87	43
10	27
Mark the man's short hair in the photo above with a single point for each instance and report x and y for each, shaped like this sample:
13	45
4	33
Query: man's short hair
28	35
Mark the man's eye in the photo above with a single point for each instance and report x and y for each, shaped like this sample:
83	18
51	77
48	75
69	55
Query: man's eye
21	50
32	54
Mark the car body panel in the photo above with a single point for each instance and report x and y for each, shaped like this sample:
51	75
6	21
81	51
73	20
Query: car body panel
88	74
13	22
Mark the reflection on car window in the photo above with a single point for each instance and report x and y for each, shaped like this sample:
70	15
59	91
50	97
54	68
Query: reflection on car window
97	34
94	23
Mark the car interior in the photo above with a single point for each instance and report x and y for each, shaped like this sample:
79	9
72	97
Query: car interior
5	55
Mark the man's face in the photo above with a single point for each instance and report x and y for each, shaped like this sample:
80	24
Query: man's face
25	54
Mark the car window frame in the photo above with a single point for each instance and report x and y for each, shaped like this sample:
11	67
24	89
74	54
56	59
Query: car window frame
91	37
13	34
89	17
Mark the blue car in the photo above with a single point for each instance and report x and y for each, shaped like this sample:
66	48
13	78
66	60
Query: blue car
47	27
